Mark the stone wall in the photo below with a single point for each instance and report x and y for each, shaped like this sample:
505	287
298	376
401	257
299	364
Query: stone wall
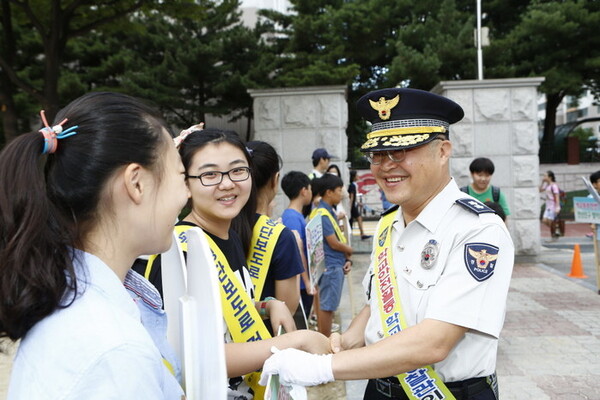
296	121
501	123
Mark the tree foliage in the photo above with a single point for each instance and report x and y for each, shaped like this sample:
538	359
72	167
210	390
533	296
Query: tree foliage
45	28
558	41
193	57
189	57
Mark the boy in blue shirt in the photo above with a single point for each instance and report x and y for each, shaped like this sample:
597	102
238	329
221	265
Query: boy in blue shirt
337	251
296	186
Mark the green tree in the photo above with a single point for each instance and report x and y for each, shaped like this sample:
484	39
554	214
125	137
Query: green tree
331	42
556	40
189	57
301	48
435	44
45	29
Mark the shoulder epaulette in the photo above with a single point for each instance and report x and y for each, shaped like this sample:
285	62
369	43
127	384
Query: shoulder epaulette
474	205
389	210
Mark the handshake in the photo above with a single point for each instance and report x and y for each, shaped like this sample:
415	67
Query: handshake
298	367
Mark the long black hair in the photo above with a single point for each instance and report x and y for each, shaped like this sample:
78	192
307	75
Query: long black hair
48	203
198	140
267	162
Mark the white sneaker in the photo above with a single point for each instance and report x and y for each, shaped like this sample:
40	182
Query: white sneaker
335	327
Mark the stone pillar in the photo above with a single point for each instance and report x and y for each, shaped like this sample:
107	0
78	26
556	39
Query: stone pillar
296	121
500	123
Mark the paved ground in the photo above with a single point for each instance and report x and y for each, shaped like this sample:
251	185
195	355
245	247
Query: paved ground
550	344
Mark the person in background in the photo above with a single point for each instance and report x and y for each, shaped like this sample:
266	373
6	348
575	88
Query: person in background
552	197
384	201
497	209
340	209
439	276
338	253
482	170
354	211
595	181
80	200
297	188
320	161
275	268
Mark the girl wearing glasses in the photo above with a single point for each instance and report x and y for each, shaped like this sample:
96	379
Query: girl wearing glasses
80	201
218	170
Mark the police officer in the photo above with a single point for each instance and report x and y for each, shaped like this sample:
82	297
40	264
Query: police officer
439	274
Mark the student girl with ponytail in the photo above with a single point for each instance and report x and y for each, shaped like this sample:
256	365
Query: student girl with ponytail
80	200
273	257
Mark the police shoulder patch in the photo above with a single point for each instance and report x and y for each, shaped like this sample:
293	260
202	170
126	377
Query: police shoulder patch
474	205
480	260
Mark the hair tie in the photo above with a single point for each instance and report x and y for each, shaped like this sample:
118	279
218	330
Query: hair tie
250	151
51	135
187	132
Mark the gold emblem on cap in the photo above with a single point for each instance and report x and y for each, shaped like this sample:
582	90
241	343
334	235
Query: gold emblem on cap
384	106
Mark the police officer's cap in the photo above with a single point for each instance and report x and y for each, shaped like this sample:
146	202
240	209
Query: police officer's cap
405	118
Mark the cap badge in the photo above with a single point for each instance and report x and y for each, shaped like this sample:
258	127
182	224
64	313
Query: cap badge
384	106
429	254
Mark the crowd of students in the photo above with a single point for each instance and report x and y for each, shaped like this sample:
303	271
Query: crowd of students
84	203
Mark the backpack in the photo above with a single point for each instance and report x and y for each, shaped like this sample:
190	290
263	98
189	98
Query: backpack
495	192
562	198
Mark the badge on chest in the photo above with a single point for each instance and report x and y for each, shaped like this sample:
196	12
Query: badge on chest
429	255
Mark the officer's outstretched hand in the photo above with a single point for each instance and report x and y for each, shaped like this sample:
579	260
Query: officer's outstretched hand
335	341
298	368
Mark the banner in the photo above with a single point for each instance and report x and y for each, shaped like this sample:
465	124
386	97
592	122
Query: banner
315	250
586	210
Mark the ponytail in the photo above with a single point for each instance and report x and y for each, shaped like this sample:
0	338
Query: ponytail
35	240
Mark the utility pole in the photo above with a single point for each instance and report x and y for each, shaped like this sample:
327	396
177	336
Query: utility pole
479	51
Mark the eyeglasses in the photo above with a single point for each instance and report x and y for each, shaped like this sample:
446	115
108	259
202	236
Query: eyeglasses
377	157
212	178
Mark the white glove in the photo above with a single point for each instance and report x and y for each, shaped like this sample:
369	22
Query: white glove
298	367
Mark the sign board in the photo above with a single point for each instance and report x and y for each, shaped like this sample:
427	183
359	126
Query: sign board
315	250
586	210
193	305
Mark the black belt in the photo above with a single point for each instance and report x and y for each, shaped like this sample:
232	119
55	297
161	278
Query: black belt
391	387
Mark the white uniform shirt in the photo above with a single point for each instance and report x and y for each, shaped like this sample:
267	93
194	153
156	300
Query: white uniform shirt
96	348
448	291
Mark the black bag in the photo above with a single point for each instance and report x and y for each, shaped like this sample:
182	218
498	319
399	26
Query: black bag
495	192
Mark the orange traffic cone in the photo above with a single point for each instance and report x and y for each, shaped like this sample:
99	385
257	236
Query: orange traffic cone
576	267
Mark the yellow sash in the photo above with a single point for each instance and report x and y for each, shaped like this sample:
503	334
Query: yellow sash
241	317
421	381
262	246
336	227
